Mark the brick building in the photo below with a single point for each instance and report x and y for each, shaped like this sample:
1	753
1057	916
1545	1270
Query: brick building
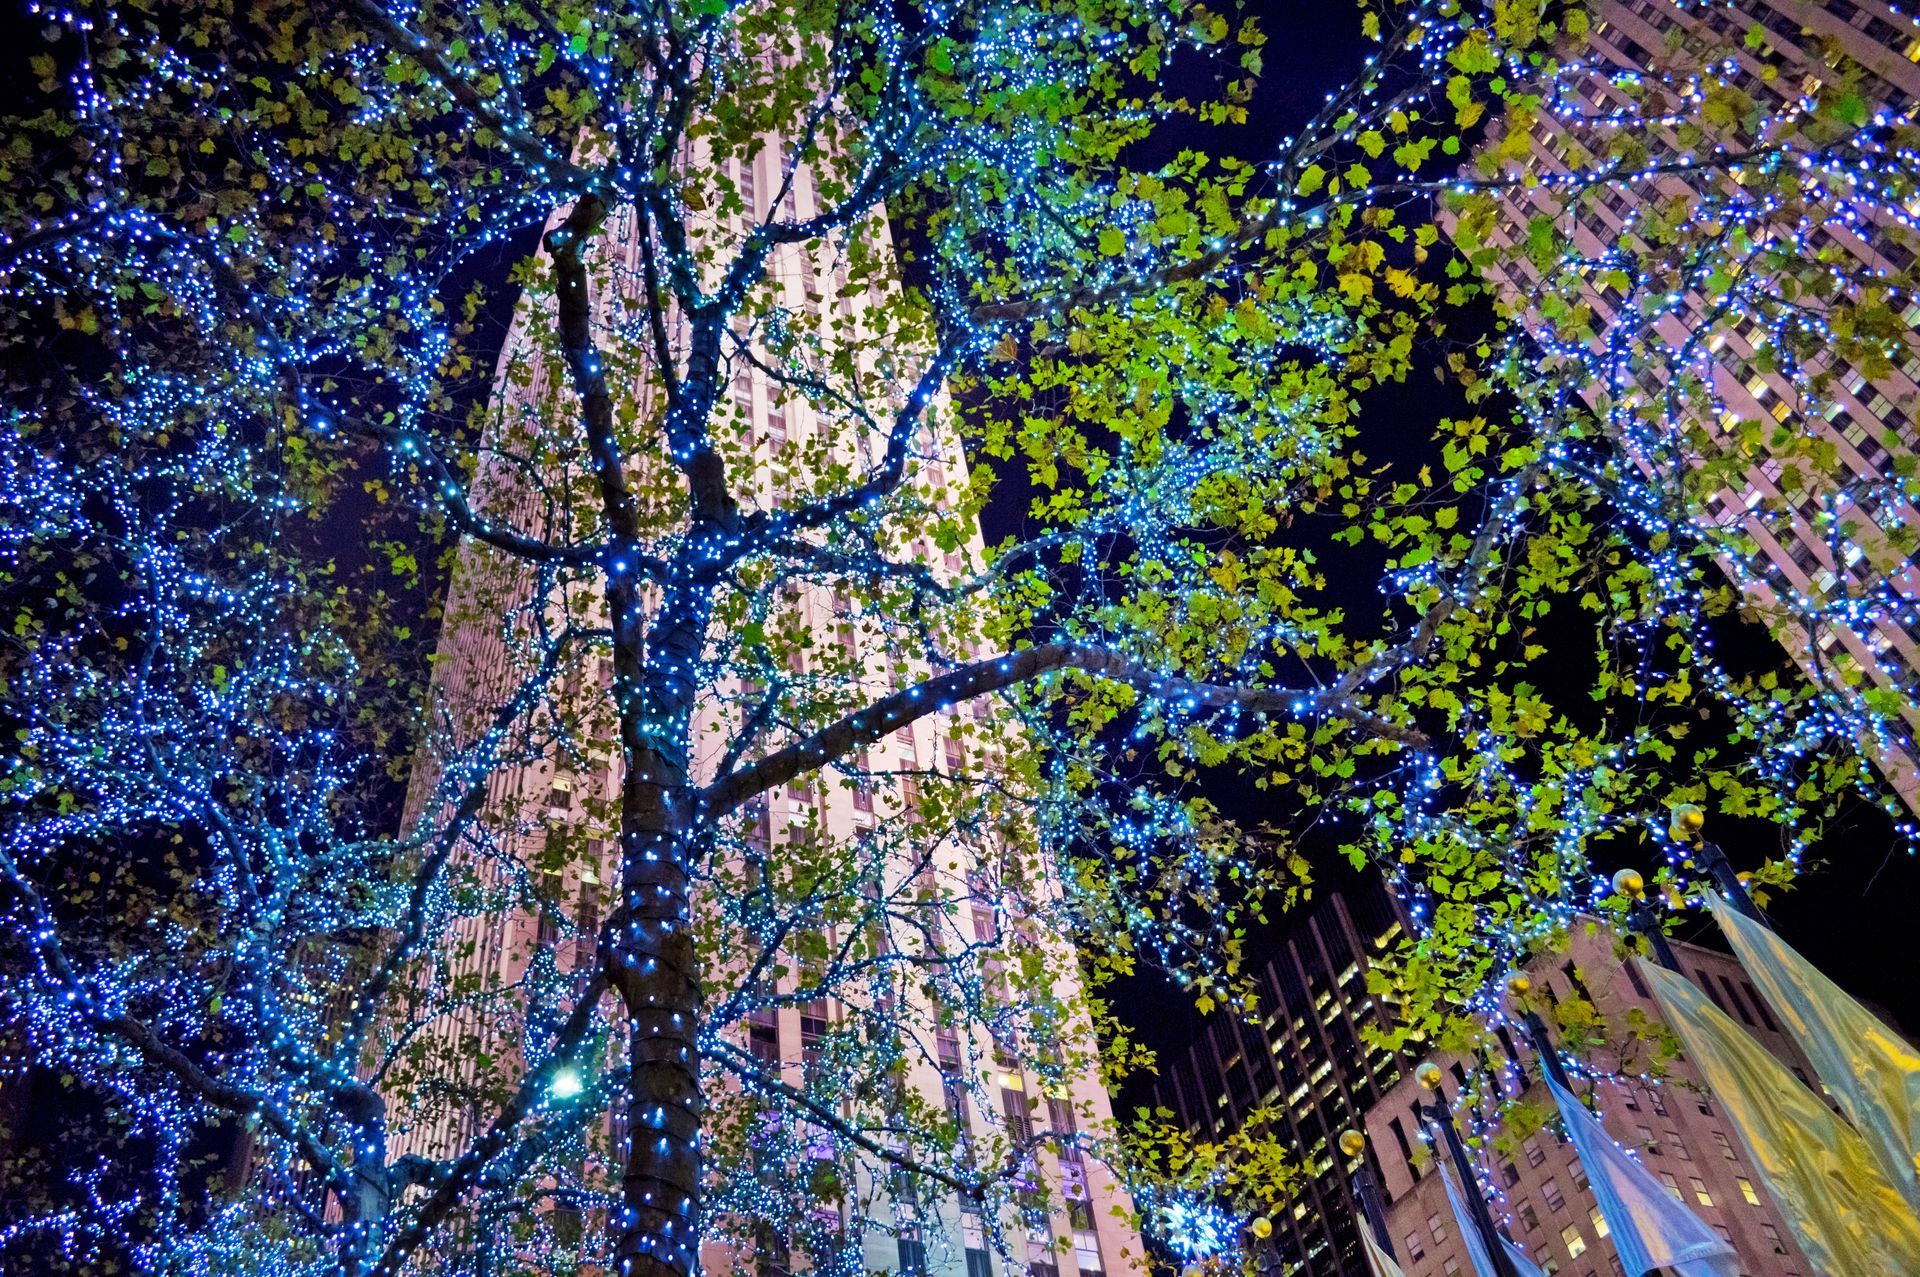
1536	1184
559	801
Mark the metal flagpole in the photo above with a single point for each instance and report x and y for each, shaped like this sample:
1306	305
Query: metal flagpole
1365	1193
1428	1075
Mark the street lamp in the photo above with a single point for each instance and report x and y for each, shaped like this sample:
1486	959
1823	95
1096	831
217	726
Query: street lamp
1354	1145
1685	827
1642	917
566	1083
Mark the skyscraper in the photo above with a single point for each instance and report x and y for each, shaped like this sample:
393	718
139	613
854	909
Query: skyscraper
1307	1059
1747	360
953	870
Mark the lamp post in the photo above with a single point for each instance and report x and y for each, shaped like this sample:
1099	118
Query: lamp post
1261	1250
1685	828
1365	1194
1642	917
1438	1114
1518	988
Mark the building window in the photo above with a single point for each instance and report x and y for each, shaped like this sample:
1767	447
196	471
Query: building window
1535	1154
1528	1215
1599	1222
1673	1186
1726	1145
1772	1235
1679	1148
1416	1249
1746	1190
1438	1230
1574	1240
1700	1193
978	1263
763	1036
1013	1105
1551	1195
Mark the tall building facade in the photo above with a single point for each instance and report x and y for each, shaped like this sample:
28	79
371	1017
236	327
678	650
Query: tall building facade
1305	1058
1830	550
561	801
1534	1179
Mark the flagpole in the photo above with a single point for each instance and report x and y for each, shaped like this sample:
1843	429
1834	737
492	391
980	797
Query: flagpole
1685	828
1536	1029
1365	1194
1428	1075
1642	917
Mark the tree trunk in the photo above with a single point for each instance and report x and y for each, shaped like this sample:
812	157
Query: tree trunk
661	988
657	969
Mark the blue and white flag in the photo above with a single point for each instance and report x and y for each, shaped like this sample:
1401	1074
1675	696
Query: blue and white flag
1648	1227
1470	1236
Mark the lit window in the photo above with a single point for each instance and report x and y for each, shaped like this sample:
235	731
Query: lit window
1575	1242
1746	1190
1673	1186
1700	1193
1599	1222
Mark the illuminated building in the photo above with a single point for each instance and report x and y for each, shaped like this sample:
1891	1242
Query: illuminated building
1811	573
553	801
1306	1057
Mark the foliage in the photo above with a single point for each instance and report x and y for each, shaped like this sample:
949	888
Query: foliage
717	587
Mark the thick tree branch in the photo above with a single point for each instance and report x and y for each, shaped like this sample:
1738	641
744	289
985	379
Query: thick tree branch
992	675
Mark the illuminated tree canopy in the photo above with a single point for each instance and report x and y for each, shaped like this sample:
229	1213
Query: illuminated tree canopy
799	291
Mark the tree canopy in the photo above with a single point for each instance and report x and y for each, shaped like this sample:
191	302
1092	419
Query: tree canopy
800	291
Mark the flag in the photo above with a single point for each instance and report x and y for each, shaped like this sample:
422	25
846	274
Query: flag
1379	1263
1649	1228
1830	1190
1871	1073
1470	1236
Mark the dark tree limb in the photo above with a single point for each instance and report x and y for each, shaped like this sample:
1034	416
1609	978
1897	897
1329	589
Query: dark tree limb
996	673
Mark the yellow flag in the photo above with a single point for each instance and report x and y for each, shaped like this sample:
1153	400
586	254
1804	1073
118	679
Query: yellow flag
1842	1210
1873	1075
1379	1263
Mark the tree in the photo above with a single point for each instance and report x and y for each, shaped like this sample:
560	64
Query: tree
248	257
